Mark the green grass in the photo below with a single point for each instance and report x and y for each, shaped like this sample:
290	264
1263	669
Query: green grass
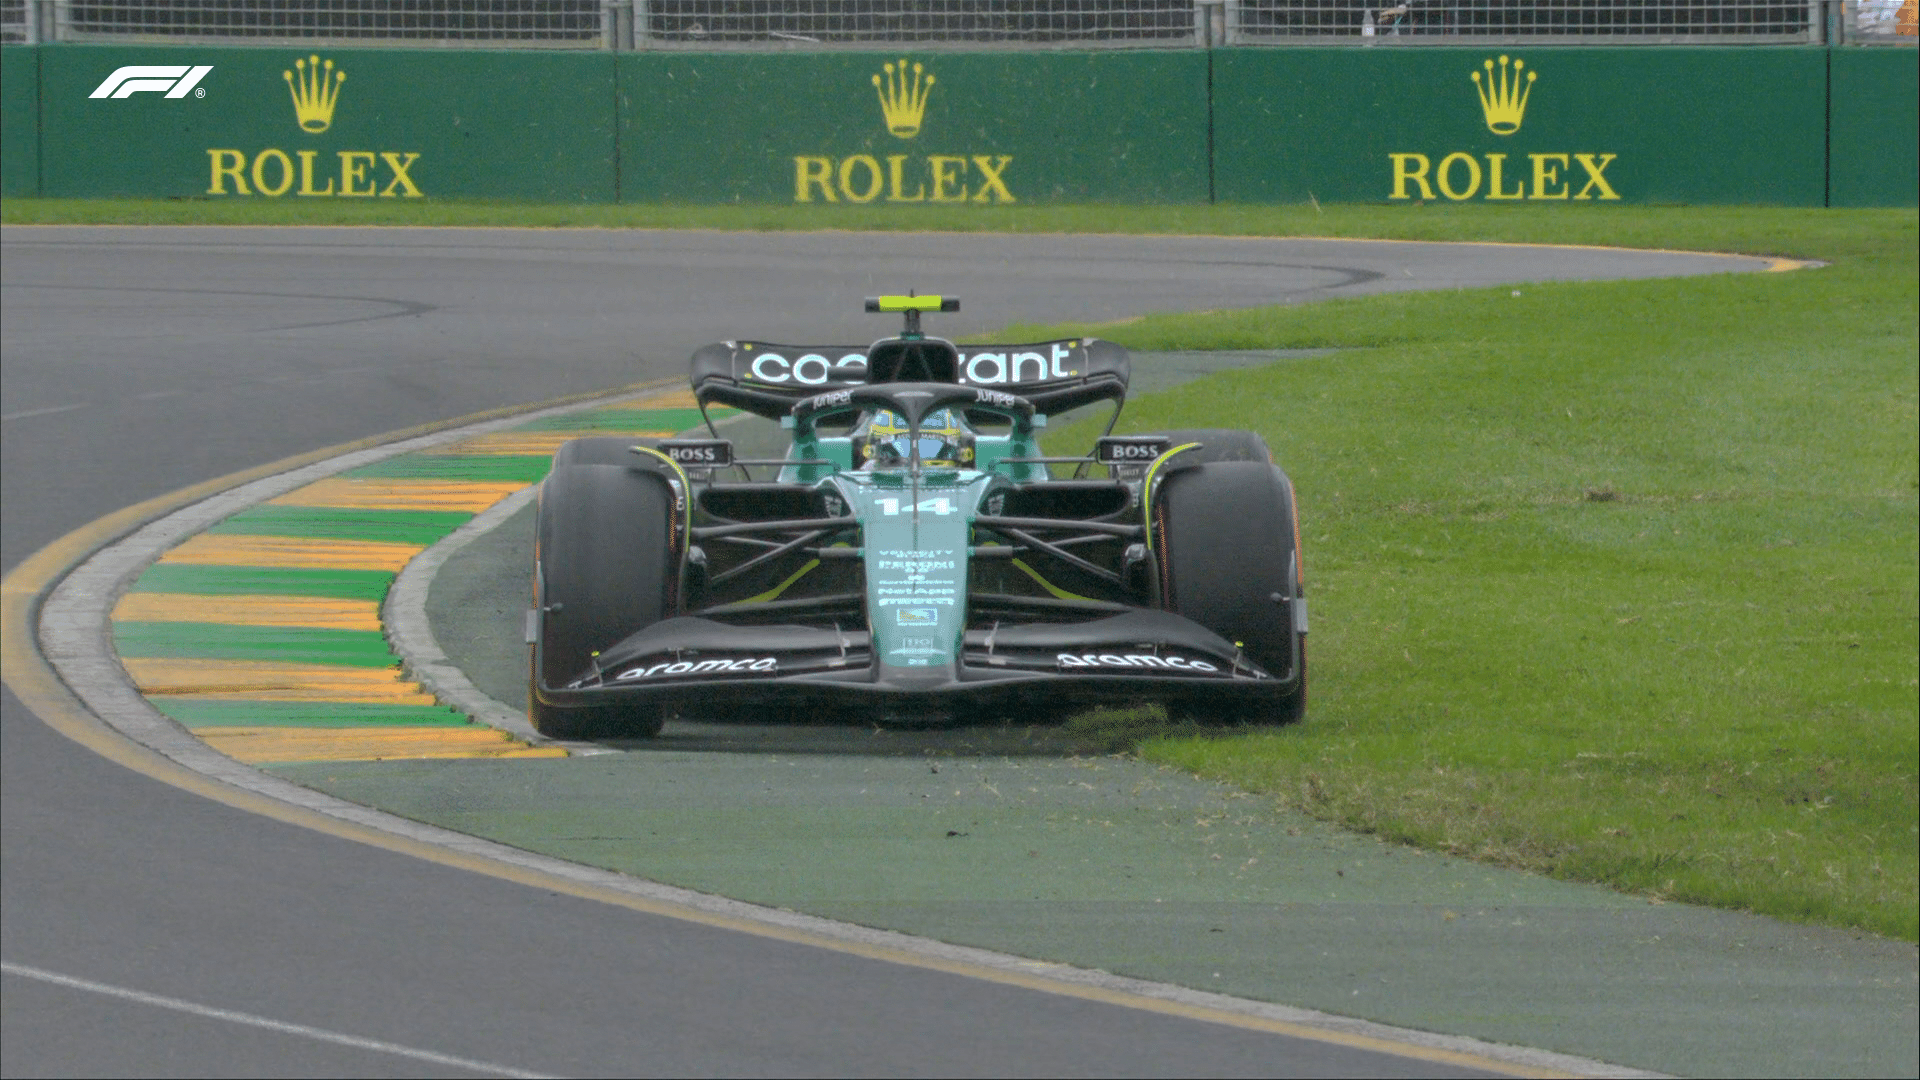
1615	581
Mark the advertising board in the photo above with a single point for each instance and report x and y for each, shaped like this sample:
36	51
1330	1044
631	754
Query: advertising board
1516	124
1875	114
904	128
19	120
325	123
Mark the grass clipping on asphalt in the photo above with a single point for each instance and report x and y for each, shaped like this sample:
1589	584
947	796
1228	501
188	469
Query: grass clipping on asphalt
1614	581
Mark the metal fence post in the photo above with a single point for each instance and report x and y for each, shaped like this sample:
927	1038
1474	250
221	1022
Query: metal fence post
616	24
42	26
1209	23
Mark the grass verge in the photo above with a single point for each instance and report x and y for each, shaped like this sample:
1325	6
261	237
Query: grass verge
1613	581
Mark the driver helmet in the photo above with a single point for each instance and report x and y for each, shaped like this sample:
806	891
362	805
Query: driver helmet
945	441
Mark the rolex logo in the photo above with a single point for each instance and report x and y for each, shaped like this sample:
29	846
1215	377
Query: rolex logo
315	90
1503	98
903	101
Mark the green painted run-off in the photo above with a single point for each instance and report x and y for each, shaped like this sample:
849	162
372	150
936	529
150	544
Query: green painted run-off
264	581
423	527
277	644
199	713
476	468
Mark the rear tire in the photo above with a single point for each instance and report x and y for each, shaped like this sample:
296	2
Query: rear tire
1220	444
597	450
604	568
1226	548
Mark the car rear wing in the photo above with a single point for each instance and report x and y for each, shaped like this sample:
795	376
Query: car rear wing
770	379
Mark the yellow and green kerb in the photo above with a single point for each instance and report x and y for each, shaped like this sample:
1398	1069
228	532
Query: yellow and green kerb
262	635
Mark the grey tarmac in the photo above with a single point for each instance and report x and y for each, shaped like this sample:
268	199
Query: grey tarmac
140	361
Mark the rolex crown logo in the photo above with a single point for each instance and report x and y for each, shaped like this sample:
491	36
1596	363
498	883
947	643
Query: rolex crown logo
1504	98
315	90
903	101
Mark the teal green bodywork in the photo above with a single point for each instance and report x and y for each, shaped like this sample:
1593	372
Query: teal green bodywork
915	551
917	531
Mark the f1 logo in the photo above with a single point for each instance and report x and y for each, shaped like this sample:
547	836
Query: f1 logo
178	80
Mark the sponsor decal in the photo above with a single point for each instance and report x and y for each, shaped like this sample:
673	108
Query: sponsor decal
695	668
699	453
916	562
903	90
831	400
314	85
986	367
807	369
1001	368
1130	450
1134	662
1459	176
916	616
173	80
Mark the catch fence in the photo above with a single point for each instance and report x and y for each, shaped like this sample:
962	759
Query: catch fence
827	24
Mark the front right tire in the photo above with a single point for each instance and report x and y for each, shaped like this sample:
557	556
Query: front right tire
1228	559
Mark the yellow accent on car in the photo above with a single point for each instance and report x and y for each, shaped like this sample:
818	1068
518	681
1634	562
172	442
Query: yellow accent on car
1058	592
774	593
685	493
1146	487
909	303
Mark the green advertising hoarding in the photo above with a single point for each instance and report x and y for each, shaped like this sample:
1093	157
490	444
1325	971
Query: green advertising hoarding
1519	124
325	123
1773	124
906	128
19	120
1875	115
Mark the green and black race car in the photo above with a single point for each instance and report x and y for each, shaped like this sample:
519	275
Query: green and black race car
914	558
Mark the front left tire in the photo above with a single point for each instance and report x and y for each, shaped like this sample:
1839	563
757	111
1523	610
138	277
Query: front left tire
604	567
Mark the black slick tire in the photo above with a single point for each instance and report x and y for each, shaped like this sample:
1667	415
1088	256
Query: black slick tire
1227	557
596	450
1219	444
604	568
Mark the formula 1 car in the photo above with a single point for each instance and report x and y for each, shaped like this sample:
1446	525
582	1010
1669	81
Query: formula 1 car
913	558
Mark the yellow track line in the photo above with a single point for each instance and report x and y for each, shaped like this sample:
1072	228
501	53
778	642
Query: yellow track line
346	494
323	612
219	549
255	745
262	680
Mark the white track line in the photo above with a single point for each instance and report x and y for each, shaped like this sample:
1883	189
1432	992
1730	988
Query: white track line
50	410
249	1019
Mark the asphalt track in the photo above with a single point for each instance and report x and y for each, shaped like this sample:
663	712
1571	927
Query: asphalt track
141	361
